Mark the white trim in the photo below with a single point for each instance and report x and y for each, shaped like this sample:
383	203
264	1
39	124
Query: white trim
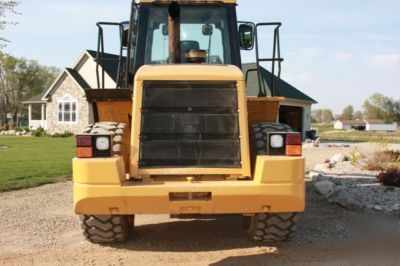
67	99
79	62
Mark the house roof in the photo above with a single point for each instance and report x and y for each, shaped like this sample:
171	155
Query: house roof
353	122
374	121
362	122
36	98
78	78
110	63
285	89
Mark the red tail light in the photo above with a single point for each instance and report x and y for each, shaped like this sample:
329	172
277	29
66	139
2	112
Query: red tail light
84	141
293	139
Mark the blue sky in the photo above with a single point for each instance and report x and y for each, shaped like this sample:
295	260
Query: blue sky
339	52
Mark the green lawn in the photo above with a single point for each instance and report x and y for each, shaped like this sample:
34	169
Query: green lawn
31	161
322	127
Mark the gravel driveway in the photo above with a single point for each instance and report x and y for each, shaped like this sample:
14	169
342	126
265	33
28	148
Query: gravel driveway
38	226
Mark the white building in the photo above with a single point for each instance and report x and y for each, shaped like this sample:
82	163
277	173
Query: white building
379	125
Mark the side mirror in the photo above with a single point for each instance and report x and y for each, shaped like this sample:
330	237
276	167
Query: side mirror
125	34
125	38
207	30
246	35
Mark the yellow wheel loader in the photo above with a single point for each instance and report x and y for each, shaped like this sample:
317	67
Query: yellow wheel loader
179	135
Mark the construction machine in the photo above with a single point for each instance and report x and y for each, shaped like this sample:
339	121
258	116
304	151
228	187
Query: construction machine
179	135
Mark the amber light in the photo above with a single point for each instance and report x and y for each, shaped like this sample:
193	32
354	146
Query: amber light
293	150
293	139
84	152
84	141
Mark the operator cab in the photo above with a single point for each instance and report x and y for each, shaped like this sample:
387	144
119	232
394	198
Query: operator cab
208	34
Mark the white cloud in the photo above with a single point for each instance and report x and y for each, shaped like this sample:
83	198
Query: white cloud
342	56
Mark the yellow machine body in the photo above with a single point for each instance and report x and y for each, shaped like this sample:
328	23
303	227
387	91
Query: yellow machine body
104	186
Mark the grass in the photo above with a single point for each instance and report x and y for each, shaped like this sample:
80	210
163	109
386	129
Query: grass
361	136
321	128
29	161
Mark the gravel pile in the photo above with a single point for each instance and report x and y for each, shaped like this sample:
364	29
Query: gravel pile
353	188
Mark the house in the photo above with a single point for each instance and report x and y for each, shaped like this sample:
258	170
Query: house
343	124
350	124
63	106
295	110
365	124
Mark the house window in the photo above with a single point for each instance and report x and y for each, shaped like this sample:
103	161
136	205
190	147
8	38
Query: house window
67	110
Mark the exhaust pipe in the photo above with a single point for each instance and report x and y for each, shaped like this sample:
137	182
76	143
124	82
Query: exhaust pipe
174	33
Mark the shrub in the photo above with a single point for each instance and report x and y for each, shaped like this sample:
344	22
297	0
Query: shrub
22	128
377	161
39	132
65	134
390	177
354	157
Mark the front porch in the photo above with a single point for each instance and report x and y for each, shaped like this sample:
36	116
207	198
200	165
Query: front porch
37	112
37	116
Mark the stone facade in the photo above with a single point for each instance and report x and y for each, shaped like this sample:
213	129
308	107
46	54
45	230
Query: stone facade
68	89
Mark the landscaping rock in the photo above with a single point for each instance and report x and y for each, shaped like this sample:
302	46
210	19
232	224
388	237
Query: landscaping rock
347	200
338	158
316	177
325	187
378	208
322	167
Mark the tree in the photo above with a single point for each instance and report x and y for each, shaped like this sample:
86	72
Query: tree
316	115
381	107
322	116
19	80
327	116
358	115
348	113
5	7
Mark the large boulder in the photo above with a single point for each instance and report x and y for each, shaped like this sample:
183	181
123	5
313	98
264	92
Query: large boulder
325	187
347	200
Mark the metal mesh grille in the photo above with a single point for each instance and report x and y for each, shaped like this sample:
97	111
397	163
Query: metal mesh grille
189	124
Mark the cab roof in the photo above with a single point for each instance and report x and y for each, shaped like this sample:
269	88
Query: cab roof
187	1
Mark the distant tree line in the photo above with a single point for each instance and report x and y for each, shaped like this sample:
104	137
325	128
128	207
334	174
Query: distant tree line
377	106
20	79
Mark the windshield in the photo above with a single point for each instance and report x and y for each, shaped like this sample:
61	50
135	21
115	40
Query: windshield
202	28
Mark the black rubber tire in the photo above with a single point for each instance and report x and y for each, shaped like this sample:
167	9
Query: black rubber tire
113	128
268	227
106	228
271	227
